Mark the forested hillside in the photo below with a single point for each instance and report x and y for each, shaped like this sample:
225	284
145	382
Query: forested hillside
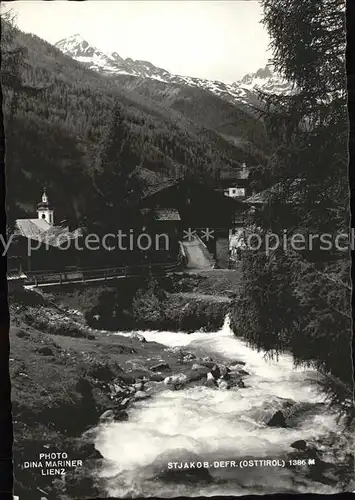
53	135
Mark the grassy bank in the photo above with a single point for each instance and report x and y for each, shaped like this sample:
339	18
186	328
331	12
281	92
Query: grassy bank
178	302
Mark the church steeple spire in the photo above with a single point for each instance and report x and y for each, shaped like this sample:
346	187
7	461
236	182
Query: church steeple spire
44	195
44	209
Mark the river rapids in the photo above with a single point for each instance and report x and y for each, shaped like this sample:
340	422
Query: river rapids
202	424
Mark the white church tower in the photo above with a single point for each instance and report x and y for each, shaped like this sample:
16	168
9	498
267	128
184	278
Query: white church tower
44	209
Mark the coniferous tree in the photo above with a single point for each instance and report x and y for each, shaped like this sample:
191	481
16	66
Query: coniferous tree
116	178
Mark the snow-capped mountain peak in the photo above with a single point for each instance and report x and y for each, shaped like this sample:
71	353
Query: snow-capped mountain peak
108	63
78	48
243	91
262	74
265	79
75	45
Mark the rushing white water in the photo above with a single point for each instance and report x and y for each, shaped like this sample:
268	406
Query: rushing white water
214	425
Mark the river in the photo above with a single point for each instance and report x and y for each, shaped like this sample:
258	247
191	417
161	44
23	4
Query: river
206	424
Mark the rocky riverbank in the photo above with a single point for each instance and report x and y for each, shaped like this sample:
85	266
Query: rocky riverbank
62	386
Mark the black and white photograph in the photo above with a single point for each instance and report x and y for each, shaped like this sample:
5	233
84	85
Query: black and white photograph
178	248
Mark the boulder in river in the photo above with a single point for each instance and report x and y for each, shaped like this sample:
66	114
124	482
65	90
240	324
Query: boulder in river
224	371
300	445
267	409
140	396
107	417
197	366
236	382
153	387
220	371
289	413
177	381
160	367
236	363
188	356
139	337
277	420
157	377
140	375
211	381
223	384
124	403
243	372
183	355
139	386
121	416
215	372
197	372
206	361
119	389
110	416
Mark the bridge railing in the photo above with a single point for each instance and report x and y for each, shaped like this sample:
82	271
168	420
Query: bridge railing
37	278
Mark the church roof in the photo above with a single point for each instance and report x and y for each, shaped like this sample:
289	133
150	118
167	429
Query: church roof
15	275
32	228
41	230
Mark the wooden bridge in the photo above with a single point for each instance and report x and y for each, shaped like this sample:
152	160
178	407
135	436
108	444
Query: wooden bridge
190	255
86	275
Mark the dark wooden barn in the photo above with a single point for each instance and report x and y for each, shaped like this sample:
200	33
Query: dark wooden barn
189	204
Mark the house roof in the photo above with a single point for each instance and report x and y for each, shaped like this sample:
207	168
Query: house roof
259	198
153	182
156	188
152	190
149	177
279	188
166	214
162	214
234	174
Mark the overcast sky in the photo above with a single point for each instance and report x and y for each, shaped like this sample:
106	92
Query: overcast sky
215	39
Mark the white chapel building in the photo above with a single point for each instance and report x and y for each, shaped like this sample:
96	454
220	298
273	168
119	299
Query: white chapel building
35	228
45	210
43	228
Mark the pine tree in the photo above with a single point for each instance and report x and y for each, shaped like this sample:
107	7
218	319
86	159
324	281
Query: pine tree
116	179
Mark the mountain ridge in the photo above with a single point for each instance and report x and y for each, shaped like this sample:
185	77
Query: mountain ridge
244	91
